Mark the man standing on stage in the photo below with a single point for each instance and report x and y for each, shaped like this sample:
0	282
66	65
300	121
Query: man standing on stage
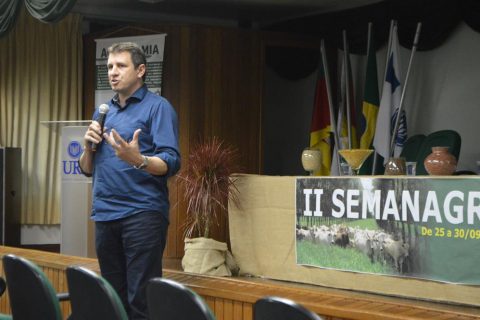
130	162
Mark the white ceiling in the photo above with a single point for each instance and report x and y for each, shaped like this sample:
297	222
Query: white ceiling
256	13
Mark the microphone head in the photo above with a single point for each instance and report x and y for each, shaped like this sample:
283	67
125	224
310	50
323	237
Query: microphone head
103	108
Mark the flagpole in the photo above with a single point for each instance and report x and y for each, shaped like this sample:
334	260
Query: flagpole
369	38
393	24
399	113
347	89
333	127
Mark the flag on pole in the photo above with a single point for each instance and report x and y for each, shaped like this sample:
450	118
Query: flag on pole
371	100
320	130
344	108
389	106
370	104
342	135
342	125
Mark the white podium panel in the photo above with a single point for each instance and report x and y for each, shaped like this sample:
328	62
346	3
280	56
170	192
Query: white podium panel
77	235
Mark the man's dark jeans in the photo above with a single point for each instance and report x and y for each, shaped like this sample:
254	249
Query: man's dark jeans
130	253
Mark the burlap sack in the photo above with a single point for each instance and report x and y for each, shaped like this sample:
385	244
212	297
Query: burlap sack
208	256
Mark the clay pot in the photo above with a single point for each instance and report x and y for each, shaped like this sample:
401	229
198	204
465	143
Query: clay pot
395	167
440	162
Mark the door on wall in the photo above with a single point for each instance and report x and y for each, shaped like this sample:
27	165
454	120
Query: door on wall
11	195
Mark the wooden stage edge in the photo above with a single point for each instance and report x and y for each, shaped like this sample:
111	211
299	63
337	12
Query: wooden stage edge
232	298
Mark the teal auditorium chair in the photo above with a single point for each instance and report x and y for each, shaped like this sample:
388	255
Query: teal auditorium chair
171	300
444	138
92	297
31	294
366	169
275	308
412	146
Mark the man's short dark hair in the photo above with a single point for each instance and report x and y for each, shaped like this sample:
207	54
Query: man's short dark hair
137	54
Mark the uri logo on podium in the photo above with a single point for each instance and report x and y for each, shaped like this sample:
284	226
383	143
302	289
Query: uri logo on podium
74	150
72	138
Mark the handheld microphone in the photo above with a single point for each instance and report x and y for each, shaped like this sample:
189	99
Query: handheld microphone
103	110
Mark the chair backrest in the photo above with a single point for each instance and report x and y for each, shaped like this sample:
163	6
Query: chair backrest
442	138
3	285
92	297
31	293
275	308
412	147
168	300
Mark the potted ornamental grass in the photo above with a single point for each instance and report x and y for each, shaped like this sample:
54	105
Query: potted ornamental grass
208	186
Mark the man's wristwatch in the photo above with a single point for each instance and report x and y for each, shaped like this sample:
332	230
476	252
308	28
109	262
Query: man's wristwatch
143	164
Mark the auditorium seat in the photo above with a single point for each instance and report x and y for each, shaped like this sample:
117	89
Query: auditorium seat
92	297
171	300
31	293
412	146
276	308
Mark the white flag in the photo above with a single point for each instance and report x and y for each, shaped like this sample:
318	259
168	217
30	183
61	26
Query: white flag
389	106
342	129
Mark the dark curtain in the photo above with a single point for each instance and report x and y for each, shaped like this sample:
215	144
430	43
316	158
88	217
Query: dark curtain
285	61
470	11
8	14
49	11
439	18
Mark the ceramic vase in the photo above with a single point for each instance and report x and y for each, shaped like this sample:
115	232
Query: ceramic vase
440	162
395	167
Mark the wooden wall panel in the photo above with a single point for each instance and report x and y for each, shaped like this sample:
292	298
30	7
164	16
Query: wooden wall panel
213	78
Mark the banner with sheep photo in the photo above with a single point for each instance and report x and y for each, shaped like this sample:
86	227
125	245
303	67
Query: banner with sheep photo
426	228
